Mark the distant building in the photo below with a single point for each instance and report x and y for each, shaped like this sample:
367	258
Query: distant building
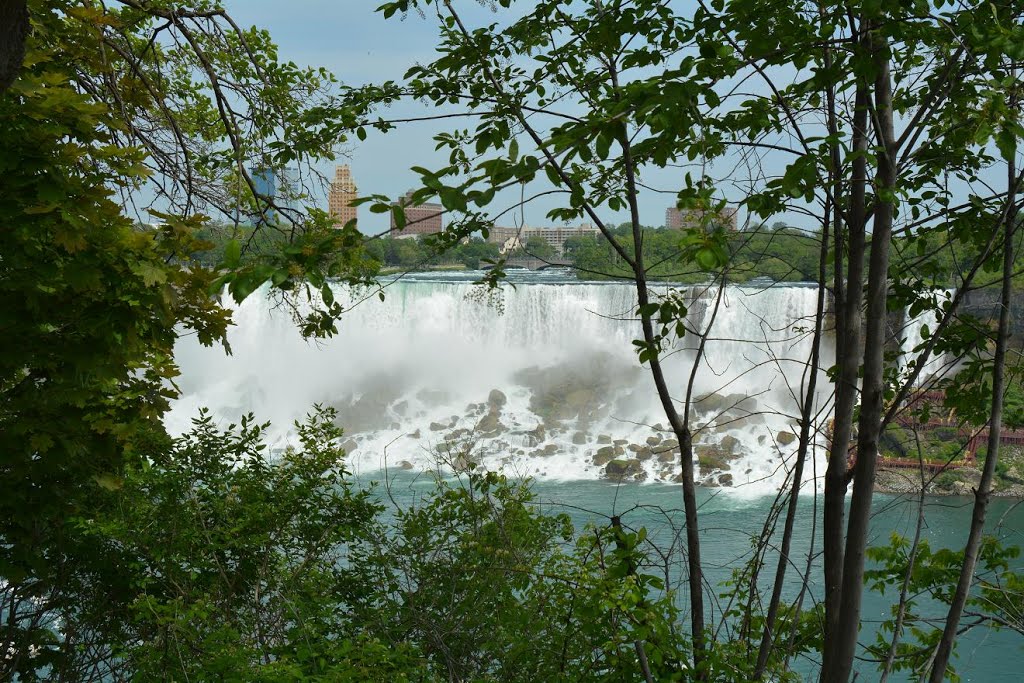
511	239
264	181
340	197
680	219
424	219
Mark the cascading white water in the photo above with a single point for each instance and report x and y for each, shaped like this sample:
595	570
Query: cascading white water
913	334
543	381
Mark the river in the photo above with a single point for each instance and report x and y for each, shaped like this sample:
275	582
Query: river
540	379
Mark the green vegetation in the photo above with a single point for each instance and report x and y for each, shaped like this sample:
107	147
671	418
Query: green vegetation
128	555
416	253
781	254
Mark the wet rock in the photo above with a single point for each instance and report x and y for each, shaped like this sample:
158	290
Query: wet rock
725	479
489	424
604	438
785	438
729	443
667	456
669	444
496	399
620	442
458	433
644	455
618	469
710	403
535	437
711	457
349	445
405	465
579	438
415	435
604	455
400	408
761	439
744	421
658	427
437	427
547	451
653	440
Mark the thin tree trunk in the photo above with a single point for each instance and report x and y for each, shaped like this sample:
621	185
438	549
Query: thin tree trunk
806	418
901	609
848	320
873	389
14	27
982	493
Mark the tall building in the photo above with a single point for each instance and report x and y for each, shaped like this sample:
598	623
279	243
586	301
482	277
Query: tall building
424	219
264	182
511	239
679	219
341	195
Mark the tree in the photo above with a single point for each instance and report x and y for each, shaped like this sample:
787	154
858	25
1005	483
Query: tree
886	104
113	103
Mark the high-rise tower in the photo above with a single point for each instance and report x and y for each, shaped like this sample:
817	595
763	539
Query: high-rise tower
339	199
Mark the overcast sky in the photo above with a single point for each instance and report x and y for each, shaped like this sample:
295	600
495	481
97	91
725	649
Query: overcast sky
352	40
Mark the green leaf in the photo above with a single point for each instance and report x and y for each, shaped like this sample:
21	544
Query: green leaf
232	253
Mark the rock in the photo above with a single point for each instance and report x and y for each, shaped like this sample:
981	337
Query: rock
437	427
415	435
669	444
725	479
785	438
536	436
711	457
604	455
604	438
761	439
405	465
653	440
617	469
579	438
550	449
658	427
644	455
400	408
710	403
635	448
729	443
489	424
496	399
667	456
349	445
458	433
620	442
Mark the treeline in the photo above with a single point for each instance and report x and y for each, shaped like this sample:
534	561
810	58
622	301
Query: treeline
780	253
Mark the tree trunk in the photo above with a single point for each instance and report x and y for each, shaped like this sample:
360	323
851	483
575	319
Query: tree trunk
873	389
982	493
848	320
13	34
806	419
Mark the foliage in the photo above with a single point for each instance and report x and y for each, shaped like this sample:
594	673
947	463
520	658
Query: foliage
994	602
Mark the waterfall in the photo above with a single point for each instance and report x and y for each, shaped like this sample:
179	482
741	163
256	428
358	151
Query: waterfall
540	380
912	335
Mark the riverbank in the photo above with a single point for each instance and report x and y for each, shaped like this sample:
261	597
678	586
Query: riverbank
1008	481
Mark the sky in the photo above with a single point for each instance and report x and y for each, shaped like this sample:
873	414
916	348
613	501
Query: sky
359	46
